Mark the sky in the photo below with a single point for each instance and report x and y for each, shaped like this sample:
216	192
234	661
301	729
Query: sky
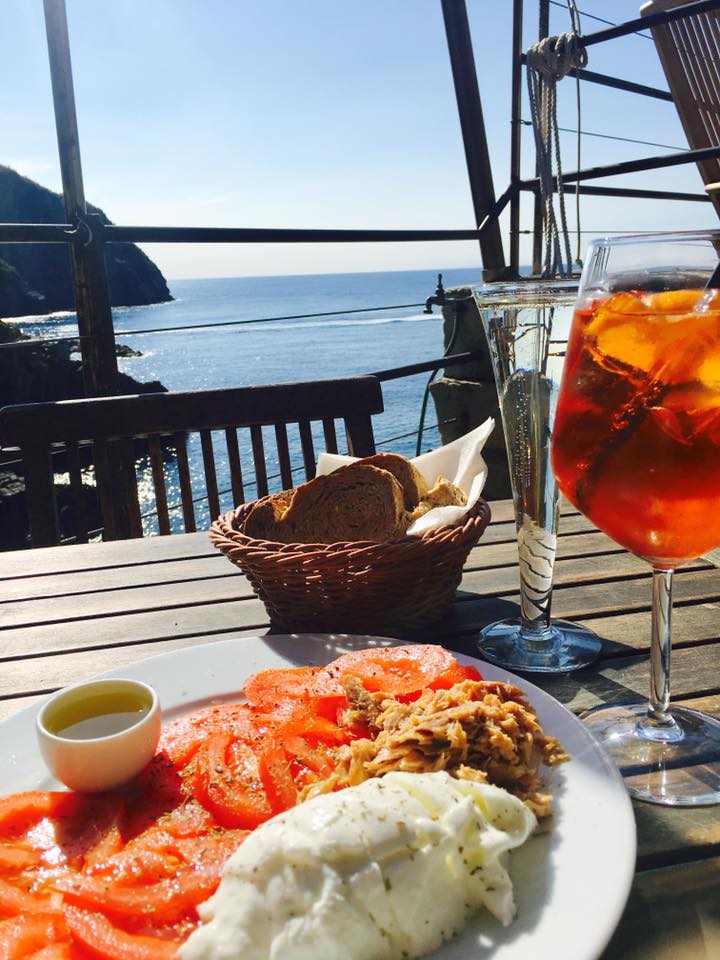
314	113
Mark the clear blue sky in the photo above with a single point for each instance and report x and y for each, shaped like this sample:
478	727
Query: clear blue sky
308	113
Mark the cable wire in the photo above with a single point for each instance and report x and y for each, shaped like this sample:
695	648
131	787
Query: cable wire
219	323
610	136
592	16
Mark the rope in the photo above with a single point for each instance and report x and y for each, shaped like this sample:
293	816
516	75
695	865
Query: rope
548	61
577	30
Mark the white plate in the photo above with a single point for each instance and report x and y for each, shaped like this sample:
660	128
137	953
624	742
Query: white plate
571	883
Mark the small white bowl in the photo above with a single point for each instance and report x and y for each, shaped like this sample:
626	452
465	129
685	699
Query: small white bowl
92	759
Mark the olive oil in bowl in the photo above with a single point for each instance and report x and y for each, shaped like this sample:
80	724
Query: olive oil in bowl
98	735
100	715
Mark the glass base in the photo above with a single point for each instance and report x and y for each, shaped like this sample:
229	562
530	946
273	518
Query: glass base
564	648
676	764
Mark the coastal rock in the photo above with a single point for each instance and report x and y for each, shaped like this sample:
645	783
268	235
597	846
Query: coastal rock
37	277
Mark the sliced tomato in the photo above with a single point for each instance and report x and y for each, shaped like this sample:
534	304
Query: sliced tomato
16	856
16	900
161	903
181	739
304	723
187	820
23	936
107	846
95	827
212	851
278	689
102	939
228	784
277	779
455	674
269	688
57	951
20	810
138	864
310	761
394	670
158	790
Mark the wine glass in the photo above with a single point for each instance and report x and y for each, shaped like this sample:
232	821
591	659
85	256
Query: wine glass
522	323
636	448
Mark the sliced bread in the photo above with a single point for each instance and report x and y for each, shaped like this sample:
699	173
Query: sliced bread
405	472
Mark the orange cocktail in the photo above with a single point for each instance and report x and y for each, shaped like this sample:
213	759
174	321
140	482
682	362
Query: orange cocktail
636	438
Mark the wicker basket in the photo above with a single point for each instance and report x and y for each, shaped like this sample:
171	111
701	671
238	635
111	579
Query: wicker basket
395	587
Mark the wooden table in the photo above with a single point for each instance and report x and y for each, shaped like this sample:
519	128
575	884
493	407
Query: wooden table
69	612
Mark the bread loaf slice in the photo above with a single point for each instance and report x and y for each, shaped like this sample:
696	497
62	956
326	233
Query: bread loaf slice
262	521
406	473
352	503
356	502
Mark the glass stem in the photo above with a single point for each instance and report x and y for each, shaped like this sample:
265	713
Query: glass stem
660	643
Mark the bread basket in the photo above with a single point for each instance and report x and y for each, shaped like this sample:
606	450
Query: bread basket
395	587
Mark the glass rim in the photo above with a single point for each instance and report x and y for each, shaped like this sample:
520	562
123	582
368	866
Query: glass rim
654	236
532	291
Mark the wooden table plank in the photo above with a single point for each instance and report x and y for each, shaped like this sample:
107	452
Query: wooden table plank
672	914
120	576
96	556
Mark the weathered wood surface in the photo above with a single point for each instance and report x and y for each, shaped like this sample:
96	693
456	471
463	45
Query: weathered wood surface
68	613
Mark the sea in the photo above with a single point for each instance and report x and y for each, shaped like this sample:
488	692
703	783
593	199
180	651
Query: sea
257	330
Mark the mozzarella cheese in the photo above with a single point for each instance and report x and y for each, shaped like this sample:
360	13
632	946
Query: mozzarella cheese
390	868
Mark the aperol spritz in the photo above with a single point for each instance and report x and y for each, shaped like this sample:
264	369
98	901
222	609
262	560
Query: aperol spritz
636	448
637	430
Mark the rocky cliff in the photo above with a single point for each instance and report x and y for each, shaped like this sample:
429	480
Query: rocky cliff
37	277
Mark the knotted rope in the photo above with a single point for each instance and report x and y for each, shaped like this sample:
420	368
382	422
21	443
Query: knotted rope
548	61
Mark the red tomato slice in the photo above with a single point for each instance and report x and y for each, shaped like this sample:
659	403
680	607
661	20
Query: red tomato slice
21	810
188	820
394	670
274	769
93	828
227	783
310	762
182	738
102	939
16	900
272	690
211	851
161	903
158	790
23	936
269	688
16	857
306	724
57	951
455	674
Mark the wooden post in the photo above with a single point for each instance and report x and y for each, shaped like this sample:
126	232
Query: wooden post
472	124
92	299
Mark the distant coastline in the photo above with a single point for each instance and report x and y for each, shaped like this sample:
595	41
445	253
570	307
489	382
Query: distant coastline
36	278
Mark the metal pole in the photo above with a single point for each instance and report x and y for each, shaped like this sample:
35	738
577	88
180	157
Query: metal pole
472	124
516	134
92	299
543	31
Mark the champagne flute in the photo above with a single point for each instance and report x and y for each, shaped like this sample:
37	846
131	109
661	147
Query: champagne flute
636	448
522	322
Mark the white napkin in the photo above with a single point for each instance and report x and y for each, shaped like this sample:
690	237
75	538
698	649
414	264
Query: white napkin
460	461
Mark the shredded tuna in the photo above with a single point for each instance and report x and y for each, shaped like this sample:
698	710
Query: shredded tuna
476	730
